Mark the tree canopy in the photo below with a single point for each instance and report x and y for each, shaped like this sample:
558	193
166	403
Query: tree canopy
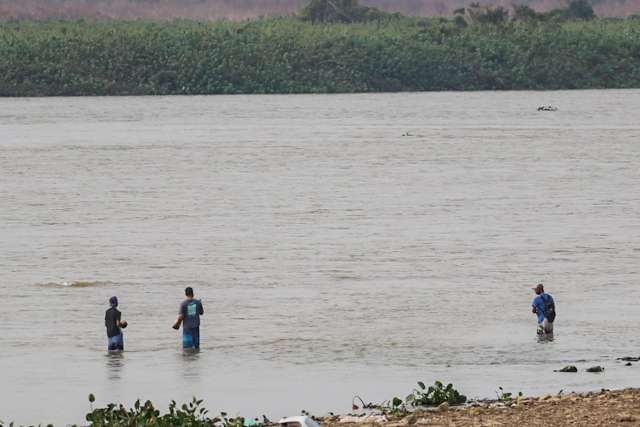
476	13
345	11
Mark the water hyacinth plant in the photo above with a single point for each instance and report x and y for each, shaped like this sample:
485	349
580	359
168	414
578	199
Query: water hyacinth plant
435	395
191	414
422	396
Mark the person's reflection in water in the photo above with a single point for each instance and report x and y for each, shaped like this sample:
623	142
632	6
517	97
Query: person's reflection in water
191	361
542	338
115	365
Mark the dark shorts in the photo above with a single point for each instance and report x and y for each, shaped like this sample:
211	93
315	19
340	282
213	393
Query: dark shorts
116	343
191	338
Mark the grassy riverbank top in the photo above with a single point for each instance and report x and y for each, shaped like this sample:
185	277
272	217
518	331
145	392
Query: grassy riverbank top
288	55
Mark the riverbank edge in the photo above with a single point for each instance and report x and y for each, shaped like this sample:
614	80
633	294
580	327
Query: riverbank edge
597	408
397	92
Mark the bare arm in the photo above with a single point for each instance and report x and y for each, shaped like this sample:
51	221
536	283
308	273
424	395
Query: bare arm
179	320
119	322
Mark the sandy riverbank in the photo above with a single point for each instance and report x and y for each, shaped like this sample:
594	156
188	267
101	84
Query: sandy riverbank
604	408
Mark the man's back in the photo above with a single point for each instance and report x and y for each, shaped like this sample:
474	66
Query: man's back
111	318
191	309
540	302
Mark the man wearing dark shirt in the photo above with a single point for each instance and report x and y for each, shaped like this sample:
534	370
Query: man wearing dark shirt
113	321
189	316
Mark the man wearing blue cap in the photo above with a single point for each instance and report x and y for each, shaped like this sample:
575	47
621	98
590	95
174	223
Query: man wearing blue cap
113	321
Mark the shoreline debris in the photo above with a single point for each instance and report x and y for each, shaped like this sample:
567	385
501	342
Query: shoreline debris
569	368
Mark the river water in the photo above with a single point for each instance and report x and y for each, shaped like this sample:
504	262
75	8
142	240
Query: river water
344	244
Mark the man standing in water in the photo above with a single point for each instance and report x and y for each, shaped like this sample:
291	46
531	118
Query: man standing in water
113	321
189	316
545	308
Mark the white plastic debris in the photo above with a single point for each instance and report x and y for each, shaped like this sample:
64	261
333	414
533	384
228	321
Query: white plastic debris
299	421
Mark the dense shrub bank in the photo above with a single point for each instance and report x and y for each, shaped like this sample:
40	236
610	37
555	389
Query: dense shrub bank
287	55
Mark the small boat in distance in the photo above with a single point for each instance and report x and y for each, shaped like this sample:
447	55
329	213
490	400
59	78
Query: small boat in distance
547	108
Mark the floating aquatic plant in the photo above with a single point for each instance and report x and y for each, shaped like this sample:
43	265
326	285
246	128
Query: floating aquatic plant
435	395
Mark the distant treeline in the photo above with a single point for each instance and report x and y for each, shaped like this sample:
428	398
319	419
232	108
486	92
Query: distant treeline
243	9
288	55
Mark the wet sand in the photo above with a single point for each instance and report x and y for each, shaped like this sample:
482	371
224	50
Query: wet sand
604	408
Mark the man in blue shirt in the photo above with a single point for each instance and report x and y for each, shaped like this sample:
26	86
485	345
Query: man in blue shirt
544	308
189	316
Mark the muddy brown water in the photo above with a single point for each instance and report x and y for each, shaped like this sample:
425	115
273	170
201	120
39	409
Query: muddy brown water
344	244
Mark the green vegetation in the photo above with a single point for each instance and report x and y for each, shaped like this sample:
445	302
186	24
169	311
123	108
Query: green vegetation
190	414
422	396
476	14
341	11
504	396
435	395
193	414
290	55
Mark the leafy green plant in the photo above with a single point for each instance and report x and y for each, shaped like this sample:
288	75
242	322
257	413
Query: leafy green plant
435	395
393	406
191	414
504	396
